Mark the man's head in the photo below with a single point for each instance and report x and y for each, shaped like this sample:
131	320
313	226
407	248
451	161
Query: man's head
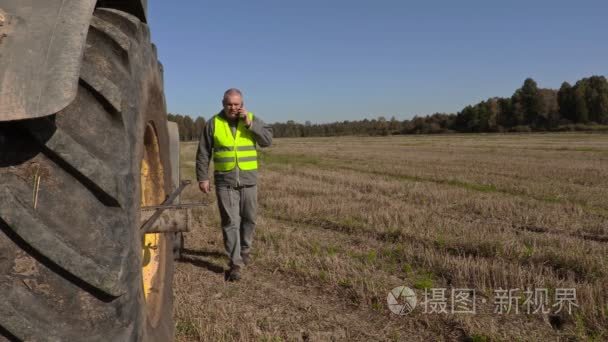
233	101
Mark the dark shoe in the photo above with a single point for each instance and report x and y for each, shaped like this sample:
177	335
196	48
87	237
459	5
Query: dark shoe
246	259
234	274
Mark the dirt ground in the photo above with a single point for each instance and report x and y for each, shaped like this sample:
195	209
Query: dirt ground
342	221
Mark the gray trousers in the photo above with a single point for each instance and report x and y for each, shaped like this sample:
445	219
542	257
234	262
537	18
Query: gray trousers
238	212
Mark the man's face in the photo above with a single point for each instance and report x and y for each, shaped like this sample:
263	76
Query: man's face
232	104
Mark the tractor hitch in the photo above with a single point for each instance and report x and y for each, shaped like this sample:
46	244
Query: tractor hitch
168	217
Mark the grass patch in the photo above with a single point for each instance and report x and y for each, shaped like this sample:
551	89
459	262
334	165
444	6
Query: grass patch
473	186
424	281
367	258
325	164
407	269
186	328
345	283
392	234
287	159
332	250
342	223
479	338
271	339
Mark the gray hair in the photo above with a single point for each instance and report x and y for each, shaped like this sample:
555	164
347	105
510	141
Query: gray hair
232	91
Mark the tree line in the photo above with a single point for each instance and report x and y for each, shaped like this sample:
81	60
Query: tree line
534	109
582	106
188	129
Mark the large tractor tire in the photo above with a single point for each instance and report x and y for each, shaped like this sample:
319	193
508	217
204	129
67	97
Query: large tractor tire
74	265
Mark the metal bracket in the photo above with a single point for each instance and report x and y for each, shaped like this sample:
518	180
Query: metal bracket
168	217
169	221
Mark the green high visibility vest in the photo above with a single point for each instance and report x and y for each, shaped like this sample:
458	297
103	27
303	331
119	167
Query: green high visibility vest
230	151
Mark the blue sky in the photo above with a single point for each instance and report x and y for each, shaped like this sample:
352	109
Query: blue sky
328	61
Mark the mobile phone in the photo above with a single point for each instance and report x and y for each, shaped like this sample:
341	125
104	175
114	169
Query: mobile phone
241	107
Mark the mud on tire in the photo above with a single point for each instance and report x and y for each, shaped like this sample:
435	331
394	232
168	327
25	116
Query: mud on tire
70	193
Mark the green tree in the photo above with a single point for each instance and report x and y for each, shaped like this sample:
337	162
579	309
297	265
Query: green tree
549	117
531	102
188	128
580	104
597	99
505	113
518	109
565	99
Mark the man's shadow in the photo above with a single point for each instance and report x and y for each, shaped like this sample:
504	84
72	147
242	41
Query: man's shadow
216	254
190	256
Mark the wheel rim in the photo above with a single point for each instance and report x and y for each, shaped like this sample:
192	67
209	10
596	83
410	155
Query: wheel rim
152	193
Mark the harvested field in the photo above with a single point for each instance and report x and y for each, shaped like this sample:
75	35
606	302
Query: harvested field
342	221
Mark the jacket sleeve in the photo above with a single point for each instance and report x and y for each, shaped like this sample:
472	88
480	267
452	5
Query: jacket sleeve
204	152
261	132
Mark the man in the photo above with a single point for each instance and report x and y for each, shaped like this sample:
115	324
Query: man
231	138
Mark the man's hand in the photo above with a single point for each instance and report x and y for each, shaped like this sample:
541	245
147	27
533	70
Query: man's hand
204	186
243	114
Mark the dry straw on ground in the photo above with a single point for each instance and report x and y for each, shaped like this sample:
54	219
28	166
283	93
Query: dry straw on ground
342	221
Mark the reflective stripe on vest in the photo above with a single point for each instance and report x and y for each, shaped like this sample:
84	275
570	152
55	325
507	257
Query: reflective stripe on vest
230	151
